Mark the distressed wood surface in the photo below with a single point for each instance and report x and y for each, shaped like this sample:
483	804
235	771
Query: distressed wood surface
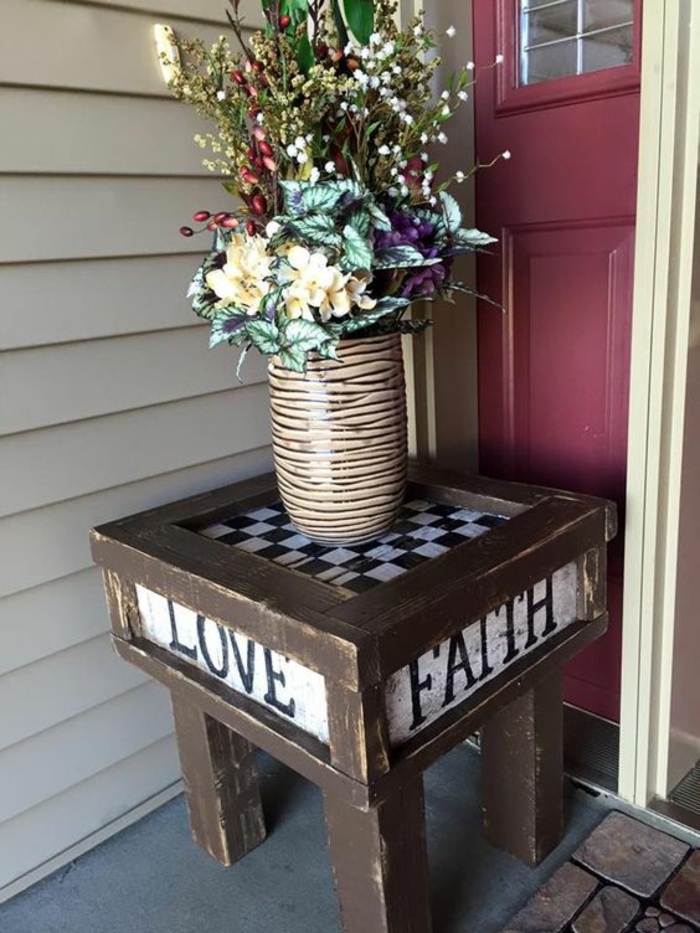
380	862
523	773
221	784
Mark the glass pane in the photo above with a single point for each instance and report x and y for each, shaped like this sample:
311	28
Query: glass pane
599	14
550	61
552	23
607	49
533	4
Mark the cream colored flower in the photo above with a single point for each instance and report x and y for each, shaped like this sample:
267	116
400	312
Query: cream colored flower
356	288
313	284
242	281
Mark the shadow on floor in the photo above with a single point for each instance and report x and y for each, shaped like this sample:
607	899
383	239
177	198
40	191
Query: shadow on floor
151	878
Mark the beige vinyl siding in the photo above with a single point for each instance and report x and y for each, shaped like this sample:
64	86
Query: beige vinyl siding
110	402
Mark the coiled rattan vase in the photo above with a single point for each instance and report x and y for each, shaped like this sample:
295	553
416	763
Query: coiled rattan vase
340	440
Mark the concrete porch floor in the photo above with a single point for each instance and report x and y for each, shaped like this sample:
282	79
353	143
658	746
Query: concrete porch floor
151	878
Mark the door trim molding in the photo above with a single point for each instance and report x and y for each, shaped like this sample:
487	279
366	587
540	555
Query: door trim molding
669	139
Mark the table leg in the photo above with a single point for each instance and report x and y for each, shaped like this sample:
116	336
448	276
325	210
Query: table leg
380	862
523	758
221	784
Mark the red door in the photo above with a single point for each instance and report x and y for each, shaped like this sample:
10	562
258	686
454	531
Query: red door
554	369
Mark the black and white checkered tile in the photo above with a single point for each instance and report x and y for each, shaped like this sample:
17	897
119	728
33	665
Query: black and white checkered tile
422	531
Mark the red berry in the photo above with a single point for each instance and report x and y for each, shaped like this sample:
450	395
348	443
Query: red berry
229	223
250	227
186	231
251	91
212	226
270	164
259	67
259	133
201	216
249	177
251	153
254	111
259	204
322	51
220	217
285	21
265	148
238	77
248	66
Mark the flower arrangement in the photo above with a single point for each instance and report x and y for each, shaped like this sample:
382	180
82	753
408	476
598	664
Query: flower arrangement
325	122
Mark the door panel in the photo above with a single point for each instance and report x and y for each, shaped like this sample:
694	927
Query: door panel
554	367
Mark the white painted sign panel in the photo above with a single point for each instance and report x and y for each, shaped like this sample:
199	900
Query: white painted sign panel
284	686
424	690
416	695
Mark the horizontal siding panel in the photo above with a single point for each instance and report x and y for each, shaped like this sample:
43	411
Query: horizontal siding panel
93	48
56	385
93	134
77	218
105	452
209	10
52	542
81	747
52	303
42	832
61	686
51	618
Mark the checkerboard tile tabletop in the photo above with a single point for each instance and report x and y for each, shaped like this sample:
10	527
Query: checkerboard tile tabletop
423	530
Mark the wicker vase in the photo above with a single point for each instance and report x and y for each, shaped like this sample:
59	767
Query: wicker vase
340	441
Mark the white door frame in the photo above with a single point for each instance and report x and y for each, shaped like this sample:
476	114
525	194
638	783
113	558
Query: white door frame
670	111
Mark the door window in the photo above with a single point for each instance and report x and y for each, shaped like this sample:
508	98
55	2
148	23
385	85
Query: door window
573	37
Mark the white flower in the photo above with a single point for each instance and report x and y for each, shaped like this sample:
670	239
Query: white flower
221	95
389	48
272	228
404	191
344	106
442	138
260	118
417	31
315	175
302	158
384	150
401	179
393	192
375	39
361	78
459	177
365	53
386	79
300	142
429	176
292	151
396	69
397	149
408	119
374	82
314	284
506	154
425	157
394	171
445	95
356	288
242	281
446	111
499	59
433	201
330	167
451	32
348	48
424	138
462	95
470	66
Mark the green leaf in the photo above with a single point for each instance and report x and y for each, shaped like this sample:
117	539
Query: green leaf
360	220
305	54
357	251
264	335
451	211
319	228
474	238
329	351
414	327
227	326
389	303
340	24
302	336
292	359
321	197
402	257
359	15
241	357
380	221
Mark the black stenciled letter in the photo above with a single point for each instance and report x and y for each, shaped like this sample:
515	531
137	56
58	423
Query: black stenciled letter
457	646
417	686
546	604
202	635
176	644
274	677
512	650
247	675
486	668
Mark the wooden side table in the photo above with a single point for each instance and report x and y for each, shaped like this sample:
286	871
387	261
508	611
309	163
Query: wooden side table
360	667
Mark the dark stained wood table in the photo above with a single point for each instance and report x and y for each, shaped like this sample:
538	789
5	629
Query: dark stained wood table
360	666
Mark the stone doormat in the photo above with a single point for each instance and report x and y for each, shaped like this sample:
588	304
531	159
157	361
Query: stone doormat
625	878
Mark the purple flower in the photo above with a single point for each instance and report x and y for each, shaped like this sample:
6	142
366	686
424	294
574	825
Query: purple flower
409	230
